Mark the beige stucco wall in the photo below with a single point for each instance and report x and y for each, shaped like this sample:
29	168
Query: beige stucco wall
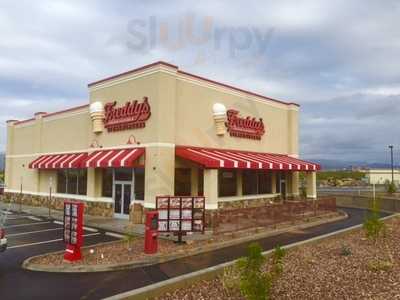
181	108
382	176
195	124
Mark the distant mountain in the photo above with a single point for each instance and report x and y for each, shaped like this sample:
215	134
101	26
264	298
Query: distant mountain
328	164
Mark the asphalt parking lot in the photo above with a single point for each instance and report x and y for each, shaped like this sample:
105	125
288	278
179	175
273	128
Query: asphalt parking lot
33	235
29	236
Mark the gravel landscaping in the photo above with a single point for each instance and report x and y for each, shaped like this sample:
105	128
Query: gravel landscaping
346	267
131	250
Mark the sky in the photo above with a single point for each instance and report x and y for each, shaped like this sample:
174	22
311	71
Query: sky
338	59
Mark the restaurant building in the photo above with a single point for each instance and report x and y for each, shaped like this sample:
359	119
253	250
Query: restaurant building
158	130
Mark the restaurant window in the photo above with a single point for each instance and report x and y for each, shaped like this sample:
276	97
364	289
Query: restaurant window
62	182
72	182
256	182
183	186
264	182
139	184
200	182
250	182
107	186
227	183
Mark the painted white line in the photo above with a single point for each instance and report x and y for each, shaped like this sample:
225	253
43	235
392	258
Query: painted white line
46	242
6	212
34	218
116	235
90	229
18	218
84	227
31	232
29	224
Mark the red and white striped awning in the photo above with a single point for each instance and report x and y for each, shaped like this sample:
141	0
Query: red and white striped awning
59	161
119	158
218	158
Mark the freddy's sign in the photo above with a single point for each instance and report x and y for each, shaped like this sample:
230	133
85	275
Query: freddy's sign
132	115
248	127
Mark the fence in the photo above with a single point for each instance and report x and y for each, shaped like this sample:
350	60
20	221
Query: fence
270	214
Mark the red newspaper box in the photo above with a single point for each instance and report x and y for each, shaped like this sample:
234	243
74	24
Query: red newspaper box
151	233
73	230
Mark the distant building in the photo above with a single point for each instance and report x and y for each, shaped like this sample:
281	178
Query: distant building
380	176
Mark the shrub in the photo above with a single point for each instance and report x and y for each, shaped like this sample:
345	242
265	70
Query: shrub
254	283
129	238
345	251
379	265
373	225
390	187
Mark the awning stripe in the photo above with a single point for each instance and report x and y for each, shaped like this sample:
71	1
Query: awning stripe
118	158
220	158
110	162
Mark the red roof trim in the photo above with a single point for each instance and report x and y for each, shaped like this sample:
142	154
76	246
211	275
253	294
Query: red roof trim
236	88
53	113
133	71
66	110
24	121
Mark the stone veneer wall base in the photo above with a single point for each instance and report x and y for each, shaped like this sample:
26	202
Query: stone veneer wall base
91	208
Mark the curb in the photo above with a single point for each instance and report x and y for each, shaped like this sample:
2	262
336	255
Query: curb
182	281
157	259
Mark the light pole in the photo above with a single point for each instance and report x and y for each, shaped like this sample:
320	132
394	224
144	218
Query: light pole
391	158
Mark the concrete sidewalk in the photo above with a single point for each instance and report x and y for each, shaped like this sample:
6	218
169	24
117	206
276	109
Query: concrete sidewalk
108	224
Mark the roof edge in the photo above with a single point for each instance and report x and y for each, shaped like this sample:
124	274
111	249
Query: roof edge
133	71
193	76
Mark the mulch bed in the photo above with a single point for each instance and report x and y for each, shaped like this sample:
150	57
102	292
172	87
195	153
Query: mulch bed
322	271
125	251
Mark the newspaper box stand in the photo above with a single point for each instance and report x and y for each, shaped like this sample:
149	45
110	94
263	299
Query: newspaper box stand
73	230
180	214
151	233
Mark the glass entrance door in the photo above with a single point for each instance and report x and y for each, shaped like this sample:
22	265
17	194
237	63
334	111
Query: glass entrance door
122	198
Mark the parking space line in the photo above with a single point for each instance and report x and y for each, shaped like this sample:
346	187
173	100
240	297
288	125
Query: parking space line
90	229
29	224
34	218
116	235
6	212
31	232
47	242
18	217
84	227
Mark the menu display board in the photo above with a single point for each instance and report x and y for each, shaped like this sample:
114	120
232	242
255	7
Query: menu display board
180	214
73	224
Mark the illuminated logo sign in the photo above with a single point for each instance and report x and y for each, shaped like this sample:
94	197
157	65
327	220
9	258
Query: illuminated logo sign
248	127
132	115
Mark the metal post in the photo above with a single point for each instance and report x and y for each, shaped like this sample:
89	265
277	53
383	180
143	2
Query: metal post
20	195
373	191
50	190
391	158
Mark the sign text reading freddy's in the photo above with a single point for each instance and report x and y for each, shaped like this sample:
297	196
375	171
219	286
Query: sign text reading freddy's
130	116
248	127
